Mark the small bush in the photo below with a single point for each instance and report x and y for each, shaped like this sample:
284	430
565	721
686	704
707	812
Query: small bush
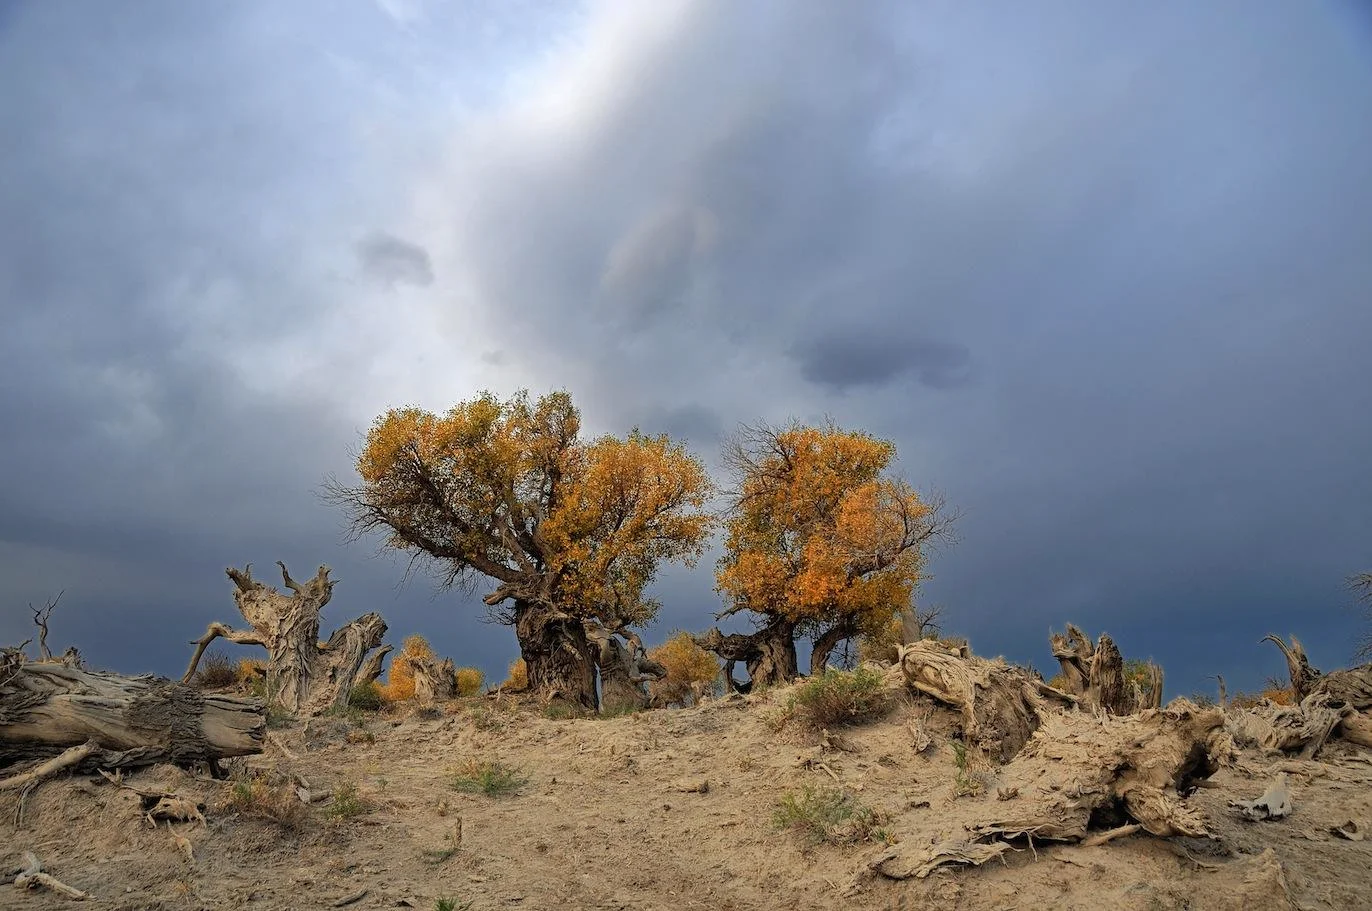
365	696
518	678
347	803
256	798
216	672
493	779
469	681
882	645
827	815
450	904
250	670
691	671
967	783
838	697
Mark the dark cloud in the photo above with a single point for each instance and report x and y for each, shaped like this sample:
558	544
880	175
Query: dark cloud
1127	251
843	361
393	261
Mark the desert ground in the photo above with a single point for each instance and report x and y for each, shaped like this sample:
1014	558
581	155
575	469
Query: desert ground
662	809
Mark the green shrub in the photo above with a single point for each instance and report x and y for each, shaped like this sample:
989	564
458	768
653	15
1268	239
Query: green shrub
365	696
838	697
493	779
347	803
828	815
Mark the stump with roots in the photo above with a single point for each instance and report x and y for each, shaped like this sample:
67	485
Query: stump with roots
304	676
625	670
1095	673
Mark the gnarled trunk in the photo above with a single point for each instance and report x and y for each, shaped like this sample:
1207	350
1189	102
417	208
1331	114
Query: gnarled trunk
624	671
769	654
303	675
829	640
1095	673
434	680
47	707
557	655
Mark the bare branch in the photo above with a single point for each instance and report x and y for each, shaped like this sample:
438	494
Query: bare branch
41	616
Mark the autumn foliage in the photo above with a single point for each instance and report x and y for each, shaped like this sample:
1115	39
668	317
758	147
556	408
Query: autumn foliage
690	670
569	531
469	681
822	539
399	685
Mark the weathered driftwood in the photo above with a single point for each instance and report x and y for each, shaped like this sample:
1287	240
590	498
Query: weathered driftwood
1302	729
32	875
1077	768
1350	685
373	667
1001	705
434	680
901	862
130	721
303	674
1095	673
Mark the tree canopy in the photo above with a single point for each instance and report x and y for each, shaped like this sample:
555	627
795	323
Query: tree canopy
569	531
821	539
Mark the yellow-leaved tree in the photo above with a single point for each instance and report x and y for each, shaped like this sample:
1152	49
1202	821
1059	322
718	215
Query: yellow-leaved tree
569	531
822	542
691	670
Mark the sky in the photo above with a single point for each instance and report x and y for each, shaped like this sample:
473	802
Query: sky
1100	270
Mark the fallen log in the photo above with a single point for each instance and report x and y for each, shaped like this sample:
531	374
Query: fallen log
1001	706
46	708
1302	729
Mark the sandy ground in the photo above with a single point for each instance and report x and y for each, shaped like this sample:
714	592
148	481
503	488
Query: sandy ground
605	822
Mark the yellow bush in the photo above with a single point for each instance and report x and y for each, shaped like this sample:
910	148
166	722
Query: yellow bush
249	669
690	669
469	681
519	676
399	684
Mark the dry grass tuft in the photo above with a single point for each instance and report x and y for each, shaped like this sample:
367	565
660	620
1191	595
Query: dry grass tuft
837	698
828	815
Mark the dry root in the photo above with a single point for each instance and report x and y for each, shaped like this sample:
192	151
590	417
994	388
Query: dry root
33	876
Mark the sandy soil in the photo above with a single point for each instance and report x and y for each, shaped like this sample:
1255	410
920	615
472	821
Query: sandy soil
605	822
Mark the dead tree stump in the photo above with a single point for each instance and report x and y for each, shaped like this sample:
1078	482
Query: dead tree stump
304	676
1095	674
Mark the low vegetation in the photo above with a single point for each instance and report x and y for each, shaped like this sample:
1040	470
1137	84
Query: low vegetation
837	697
828	815
347	803
493	779
692	672
278	802
217	671
365	697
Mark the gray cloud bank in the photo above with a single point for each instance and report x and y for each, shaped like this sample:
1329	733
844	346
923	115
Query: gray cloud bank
1100	272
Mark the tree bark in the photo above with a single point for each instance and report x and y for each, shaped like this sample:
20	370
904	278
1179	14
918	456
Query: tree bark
303	676
624	671
829	640
48	707
769	654
434	680
557	655
372	669
1095	673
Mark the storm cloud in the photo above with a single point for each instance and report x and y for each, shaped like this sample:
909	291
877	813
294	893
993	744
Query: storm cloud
1100	271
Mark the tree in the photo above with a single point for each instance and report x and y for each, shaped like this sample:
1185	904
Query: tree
570	532
690	671
821	541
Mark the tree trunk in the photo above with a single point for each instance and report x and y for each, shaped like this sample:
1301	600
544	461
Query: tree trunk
558	656
48	707
434	680
624	671
1095	673
372	669
769	654
827	641
303	676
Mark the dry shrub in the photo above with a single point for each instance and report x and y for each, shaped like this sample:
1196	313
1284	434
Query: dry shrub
260	799
518	678
469	681
250	669
399	685
365	696
690	670
216	672
828	815
838	697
